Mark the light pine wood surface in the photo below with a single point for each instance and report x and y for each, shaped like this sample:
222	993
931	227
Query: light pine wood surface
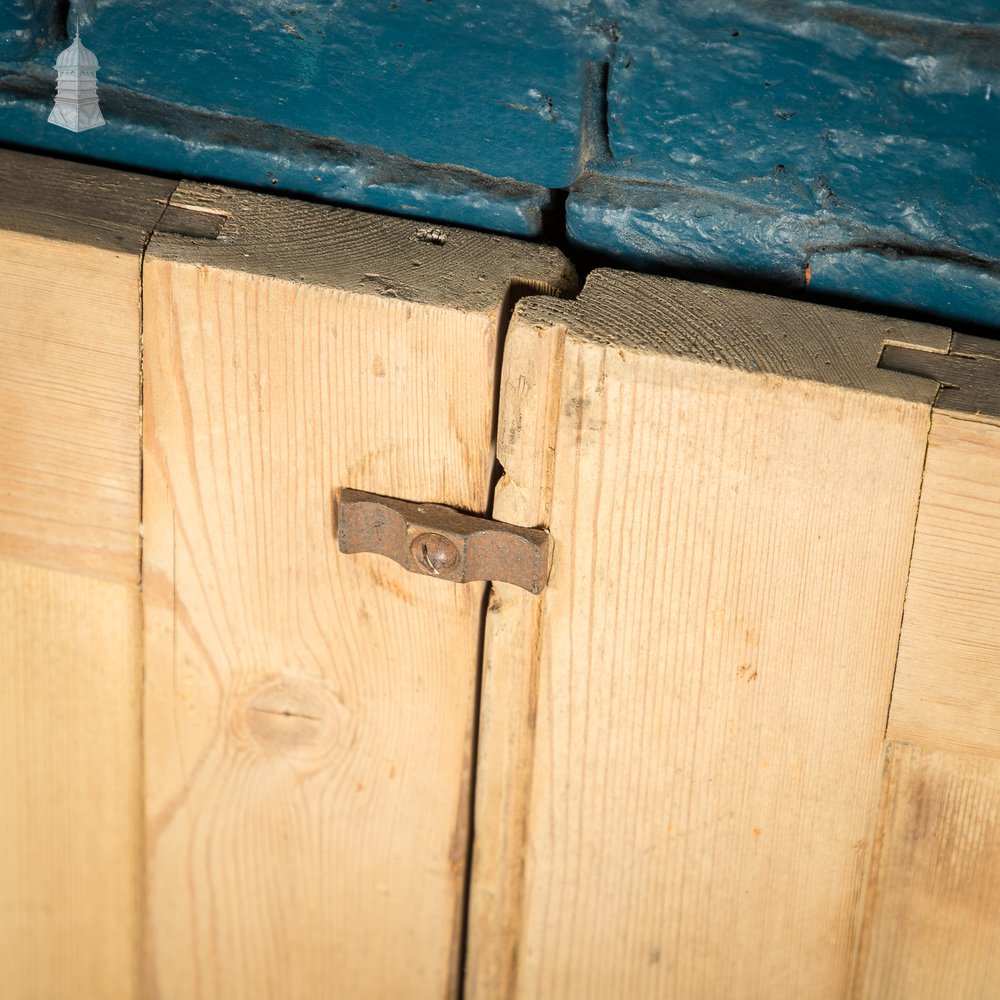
743	745
71	243
947	687
716	651
529	401
69	423
69	781
931	926
309	715
71	239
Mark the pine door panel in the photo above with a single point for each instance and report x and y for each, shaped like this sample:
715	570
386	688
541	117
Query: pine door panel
71	243
731	484
309	715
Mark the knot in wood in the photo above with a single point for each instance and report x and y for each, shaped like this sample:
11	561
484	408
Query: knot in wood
286	714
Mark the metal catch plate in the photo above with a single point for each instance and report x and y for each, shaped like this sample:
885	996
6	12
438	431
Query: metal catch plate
434	540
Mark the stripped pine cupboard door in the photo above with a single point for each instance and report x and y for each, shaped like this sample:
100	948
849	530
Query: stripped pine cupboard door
701	692
720	755
947	689
931	924
71	243
309	716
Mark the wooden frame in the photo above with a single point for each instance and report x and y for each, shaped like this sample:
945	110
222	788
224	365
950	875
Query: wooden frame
744	743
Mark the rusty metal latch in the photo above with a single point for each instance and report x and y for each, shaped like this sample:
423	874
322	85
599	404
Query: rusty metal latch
435	540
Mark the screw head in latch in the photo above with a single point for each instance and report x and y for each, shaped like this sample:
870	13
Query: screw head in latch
434	553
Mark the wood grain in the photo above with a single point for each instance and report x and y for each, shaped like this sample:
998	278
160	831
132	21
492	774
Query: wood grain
309	715
373	255
932	923
746	331
968	375
732	531
70	202
71	239
69	780
947	687
71	244
529	400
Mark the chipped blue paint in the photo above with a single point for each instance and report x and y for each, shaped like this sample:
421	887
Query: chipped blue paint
492	87
751	138
307	97
703	233
146	134
23	26
16	22
955	292
848	149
